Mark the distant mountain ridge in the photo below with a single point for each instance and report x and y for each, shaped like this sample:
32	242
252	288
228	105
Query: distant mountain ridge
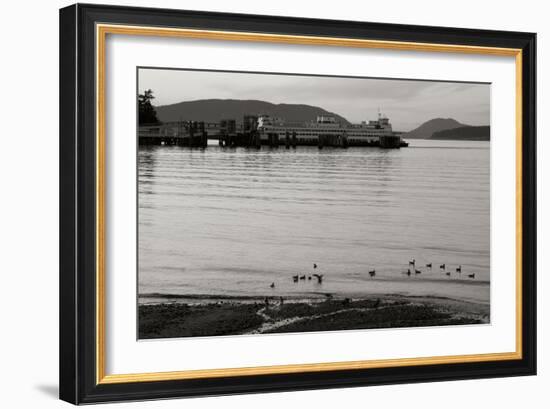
464	133
214	110
426	130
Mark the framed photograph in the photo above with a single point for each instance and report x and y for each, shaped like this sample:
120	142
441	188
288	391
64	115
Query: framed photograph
256	203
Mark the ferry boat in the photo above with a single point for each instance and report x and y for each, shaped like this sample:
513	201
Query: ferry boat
327	131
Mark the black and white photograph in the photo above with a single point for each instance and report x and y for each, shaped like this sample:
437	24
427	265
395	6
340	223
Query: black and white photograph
285	203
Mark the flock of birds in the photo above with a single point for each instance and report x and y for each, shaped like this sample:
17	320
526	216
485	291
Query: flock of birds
372	273
429	266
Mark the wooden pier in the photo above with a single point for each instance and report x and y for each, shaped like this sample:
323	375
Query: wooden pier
191	134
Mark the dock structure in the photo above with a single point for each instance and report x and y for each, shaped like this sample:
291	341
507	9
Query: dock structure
227	134
188	133
250	132
390	142
257	130
273	140
333	141
291	141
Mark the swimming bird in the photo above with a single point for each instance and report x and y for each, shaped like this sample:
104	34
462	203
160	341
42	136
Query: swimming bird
417	271
429	265
295	278
272	285
448	273
459	269
472	275
372	273
314	266
412	262
319	277
442	266
409	272
309	277
303	277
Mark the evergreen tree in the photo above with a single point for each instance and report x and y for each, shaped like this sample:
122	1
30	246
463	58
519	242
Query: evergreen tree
147	113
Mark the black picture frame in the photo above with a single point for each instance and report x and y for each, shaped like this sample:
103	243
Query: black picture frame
78	237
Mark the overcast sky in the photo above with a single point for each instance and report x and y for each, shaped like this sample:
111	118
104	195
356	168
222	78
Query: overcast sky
407	103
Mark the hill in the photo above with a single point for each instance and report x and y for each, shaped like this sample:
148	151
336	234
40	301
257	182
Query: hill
465	133
426	130
213	110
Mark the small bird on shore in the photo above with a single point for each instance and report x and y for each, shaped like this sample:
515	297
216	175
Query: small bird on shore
417	271
408	272
303	277
314	266
429	265
272	285
372	273
319	278
448	273
295	278
309	277
442	266
472	275
412	262
459	269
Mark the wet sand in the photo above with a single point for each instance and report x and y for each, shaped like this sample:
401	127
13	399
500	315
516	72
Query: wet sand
171	316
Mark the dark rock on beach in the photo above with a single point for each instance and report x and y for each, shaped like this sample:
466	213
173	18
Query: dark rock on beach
169	320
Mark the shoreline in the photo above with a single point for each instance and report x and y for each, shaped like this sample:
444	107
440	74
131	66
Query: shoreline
464	289
213	315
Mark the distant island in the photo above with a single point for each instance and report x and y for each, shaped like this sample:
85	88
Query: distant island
426	130
449	129
215	110
464	133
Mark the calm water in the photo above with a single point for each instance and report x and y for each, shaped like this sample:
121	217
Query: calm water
232	221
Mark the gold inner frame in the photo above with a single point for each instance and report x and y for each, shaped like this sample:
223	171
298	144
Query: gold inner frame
101	33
